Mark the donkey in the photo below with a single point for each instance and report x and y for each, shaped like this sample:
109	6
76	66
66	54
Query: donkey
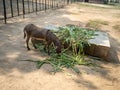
36	33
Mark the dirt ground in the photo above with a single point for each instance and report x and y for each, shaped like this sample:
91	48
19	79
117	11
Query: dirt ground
22	75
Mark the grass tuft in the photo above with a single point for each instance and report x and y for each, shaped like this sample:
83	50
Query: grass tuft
96	24
117	27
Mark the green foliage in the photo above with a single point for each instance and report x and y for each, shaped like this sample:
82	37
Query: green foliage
102	6
63	61
75	37
115	5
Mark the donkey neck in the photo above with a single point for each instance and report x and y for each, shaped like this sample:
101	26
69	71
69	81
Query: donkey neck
56	42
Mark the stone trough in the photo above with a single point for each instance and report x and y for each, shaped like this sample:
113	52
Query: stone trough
99	45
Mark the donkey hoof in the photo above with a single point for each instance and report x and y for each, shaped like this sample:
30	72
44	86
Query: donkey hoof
35	47
28	49
48	53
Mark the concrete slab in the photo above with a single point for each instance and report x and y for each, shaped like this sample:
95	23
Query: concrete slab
101	39
51	27
99	45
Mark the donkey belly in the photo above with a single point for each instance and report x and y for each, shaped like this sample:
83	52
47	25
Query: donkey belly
39	34
38	38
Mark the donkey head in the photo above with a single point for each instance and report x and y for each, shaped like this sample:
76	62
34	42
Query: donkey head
58	49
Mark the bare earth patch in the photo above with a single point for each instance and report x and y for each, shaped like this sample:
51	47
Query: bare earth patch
21	75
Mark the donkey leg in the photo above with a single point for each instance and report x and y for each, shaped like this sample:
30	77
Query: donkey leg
33	42
48	47
45	46
27	41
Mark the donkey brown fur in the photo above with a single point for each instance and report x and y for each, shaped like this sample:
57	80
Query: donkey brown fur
36	33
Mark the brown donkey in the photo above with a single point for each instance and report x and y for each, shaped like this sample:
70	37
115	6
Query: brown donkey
36	33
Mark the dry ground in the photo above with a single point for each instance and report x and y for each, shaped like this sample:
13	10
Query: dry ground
20	75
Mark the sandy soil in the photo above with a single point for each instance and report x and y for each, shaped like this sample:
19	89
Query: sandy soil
21	75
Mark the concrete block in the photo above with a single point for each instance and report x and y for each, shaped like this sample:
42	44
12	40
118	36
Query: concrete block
99	45
51	27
